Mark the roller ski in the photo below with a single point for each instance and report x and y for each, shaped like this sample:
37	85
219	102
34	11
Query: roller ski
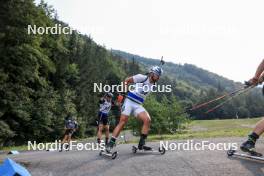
252	155
146	149
108	152
66	148
249	150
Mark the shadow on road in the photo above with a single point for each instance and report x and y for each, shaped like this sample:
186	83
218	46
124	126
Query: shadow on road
254	166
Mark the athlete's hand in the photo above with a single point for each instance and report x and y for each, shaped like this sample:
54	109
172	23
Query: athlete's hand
261	79
253	81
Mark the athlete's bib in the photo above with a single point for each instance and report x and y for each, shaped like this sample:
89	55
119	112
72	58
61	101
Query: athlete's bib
141	89
105	107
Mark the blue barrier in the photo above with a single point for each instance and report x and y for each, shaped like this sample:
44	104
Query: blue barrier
11	168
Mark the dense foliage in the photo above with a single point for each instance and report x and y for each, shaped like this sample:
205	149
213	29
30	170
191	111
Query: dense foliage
45	78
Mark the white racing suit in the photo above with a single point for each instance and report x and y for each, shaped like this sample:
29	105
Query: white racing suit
136	97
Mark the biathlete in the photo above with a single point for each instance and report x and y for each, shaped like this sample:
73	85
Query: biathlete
249	145
71	126
133	105
103	123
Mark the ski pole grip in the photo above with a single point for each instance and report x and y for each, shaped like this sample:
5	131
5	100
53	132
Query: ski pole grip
247	84
261	80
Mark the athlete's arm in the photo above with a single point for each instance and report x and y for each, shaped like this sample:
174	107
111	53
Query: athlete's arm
65	125
101	101
127	81
76	126
134	79
259	73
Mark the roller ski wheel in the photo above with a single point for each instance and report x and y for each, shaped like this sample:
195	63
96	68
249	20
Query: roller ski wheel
111	155
230	152
254	153
134	149
67	148
114	155
161	151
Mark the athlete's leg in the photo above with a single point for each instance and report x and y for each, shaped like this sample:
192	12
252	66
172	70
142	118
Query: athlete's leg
249	145
123	120
69	137
127	108
259	128
69	140
99	133
65	139
145	118
106	127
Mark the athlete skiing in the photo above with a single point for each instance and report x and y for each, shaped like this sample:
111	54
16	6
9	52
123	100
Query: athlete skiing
71	126
133	105
249	145
105	106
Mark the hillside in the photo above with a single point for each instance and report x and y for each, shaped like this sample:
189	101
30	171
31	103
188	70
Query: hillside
195	76
192	85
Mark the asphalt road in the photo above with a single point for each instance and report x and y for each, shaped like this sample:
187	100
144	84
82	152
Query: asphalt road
182	163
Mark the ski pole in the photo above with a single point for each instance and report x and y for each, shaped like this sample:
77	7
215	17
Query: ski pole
214	100
230	98
198	106
162	62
